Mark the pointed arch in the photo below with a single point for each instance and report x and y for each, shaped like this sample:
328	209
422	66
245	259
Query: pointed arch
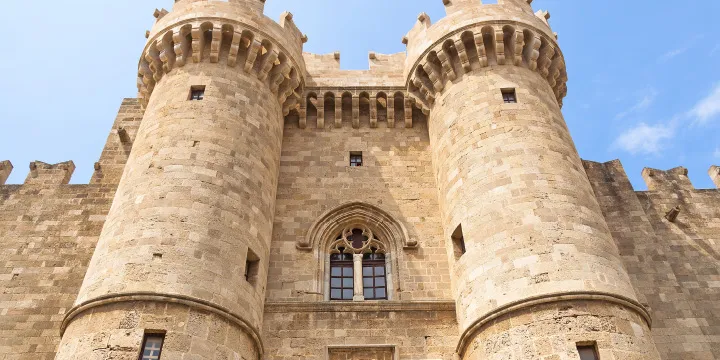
354	213
330	225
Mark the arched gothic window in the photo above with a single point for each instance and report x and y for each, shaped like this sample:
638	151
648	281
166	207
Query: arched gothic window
358	267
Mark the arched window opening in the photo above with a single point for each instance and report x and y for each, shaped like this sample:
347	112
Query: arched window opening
312	112
358	266
488	35
364	109
468	38
509	37
399	107
228	32
347	108
382	107
329	108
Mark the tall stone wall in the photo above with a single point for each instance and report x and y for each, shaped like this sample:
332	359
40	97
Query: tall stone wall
315	176
48	232
349	331
674	264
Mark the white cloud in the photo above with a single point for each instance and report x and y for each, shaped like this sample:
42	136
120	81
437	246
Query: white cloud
716	154
715	50
671	54
644	138
707	108
647	99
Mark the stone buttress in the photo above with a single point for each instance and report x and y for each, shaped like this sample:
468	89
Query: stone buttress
535	270
184	250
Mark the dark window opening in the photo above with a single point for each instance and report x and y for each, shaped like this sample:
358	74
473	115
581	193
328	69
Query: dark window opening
252	267
197	93
342	286
509	96
588	351
356	159
152	346
374	277
458	242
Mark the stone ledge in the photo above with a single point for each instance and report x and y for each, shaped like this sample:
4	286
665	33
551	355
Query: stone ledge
553	298
365	306
164	298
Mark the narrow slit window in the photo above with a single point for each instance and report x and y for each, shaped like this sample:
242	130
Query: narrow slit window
152	346
197	93
588	351
356	159
509	96
458	242
252	267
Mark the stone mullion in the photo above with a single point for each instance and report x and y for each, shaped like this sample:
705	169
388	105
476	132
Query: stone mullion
358	278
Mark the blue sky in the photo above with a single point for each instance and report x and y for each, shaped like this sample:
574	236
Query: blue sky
644	81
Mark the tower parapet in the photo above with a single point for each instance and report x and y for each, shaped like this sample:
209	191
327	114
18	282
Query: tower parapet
714	173
527	242
235	34
474	36
5	170
185	247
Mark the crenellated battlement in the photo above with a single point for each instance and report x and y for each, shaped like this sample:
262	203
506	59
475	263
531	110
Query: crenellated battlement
474	36
714	173
235	34
44	174
670	180
5	170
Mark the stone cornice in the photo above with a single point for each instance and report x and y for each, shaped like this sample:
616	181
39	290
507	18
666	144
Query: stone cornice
360	306
480	45
547	299
230	43
164	298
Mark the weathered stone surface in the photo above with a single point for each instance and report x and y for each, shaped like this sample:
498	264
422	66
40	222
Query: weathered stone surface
212	221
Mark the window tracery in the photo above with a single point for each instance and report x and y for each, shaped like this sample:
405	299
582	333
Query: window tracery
358	266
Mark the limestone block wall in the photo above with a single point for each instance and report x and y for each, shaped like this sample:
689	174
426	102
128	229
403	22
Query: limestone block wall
510	175
674	265
338	331
553	331
315	176
48	232
197	195
47	236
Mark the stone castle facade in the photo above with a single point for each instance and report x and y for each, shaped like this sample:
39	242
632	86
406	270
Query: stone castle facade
257	202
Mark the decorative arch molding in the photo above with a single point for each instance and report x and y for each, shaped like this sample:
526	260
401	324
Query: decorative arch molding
388	232
327	226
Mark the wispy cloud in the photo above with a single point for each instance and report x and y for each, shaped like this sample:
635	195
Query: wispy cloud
708	108
672	54
649	139
644	138
647	99
715	50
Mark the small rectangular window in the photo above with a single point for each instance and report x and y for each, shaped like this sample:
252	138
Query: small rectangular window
152	346
356	158
197	93
588	351
252	267
509	96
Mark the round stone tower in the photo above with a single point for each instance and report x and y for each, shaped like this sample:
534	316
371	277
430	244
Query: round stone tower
184	250
536	273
